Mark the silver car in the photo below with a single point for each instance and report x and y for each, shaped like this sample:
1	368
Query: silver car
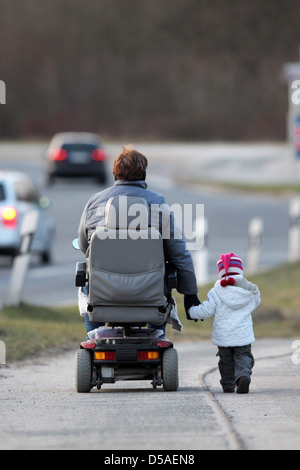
18	196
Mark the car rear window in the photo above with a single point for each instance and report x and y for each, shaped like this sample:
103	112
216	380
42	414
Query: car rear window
79	147
2	192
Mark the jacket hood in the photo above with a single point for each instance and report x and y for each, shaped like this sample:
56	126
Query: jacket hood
237	296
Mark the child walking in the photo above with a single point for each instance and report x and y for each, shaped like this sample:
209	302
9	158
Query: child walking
232	301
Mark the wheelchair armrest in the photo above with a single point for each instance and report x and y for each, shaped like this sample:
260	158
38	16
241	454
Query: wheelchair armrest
171	276
80	274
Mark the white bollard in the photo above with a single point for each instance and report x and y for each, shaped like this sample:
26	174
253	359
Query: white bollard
2	92
255	239
22	260
294	231
2	353
200	257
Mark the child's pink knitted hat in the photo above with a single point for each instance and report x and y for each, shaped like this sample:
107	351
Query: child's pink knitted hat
229	264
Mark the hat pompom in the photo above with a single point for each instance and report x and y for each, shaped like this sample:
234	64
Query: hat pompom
230	281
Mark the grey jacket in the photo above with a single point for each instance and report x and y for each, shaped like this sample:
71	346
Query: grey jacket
174	248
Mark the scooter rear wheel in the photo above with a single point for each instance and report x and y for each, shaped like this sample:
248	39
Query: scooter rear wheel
170	370
83	376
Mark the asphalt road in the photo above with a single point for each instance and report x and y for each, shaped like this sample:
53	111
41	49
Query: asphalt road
40	409
228	215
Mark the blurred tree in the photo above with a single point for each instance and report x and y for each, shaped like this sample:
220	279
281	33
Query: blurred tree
197	69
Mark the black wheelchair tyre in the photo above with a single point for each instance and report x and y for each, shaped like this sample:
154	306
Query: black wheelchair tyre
83	377
170	370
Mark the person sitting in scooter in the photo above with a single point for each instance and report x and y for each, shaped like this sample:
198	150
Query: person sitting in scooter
129	170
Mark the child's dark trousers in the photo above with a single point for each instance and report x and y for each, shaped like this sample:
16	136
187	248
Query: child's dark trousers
235	362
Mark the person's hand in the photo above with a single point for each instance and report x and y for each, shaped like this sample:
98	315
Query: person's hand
190	301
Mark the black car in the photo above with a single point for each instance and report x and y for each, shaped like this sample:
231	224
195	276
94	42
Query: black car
77	154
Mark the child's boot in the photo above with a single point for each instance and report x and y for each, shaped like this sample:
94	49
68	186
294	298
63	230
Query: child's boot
243	385
228	389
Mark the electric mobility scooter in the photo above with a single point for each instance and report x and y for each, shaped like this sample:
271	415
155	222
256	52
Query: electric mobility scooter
126	278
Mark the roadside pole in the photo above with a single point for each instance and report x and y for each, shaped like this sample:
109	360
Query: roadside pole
22	260
255	238
200	257
294	231
291	76
2	353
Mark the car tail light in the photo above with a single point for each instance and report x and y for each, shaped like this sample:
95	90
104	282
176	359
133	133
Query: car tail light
58	155
147	355
9	217
105	356
99	155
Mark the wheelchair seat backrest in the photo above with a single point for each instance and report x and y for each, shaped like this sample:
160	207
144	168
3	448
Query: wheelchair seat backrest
126	265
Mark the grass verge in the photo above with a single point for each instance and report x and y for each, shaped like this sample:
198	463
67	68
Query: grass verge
273	189
30	331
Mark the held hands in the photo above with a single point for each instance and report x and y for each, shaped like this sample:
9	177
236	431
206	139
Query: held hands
190	301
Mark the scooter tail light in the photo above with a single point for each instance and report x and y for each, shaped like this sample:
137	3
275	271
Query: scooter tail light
105	355
9	217
147	355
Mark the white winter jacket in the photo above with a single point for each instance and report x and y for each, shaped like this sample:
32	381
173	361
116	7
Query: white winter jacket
232	307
